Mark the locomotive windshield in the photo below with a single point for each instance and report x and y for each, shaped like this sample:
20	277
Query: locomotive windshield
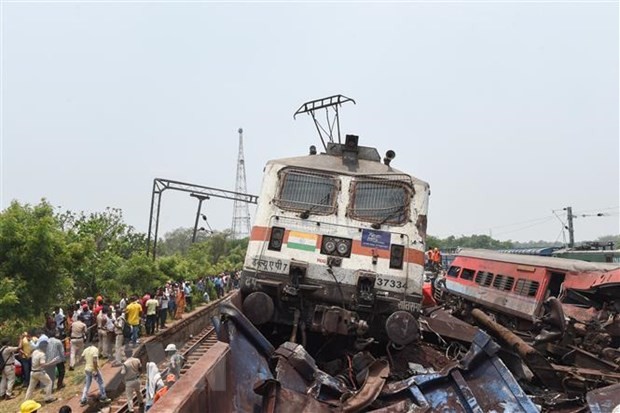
309	192
380	202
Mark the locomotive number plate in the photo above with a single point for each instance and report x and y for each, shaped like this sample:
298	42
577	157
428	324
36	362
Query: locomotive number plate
390	283
277	266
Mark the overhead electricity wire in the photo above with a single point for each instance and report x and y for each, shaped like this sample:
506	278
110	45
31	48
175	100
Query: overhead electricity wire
526	227
516	223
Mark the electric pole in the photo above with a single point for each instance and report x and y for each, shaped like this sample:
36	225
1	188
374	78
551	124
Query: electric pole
571	231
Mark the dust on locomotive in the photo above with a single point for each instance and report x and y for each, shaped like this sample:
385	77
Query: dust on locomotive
337	245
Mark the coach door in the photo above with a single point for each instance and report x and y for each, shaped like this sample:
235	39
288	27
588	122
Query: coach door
554	288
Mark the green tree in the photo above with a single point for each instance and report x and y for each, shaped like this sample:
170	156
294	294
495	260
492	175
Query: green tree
138	274
34	260
104	241
179	241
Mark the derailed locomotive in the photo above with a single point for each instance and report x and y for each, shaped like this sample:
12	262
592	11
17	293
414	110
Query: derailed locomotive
337	245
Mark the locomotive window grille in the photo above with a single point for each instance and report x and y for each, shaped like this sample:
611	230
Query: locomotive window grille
467	274
380	201
527	288
454	271
484	278
307	192
503	282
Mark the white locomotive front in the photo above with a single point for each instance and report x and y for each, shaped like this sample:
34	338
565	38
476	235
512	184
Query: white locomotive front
337	245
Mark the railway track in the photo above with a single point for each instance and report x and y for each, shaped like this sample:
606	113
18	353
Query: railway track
192	351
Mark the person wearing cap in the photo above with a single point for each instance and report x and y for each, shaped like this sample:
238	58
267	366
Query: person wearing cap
29	406
8	372
175	362
78	334
91	369
131	370
38	373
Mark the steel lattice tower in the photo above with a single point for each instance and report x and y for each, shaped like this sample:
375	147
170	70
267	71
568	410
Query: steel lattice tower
241	212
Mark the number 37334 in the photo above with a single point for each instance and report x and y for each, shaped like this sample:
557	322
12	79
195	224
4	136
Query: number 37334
390	283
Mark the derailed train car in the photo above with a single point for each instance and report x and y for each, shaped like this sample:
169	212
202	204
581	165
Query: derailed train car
520	289
518	285
337	245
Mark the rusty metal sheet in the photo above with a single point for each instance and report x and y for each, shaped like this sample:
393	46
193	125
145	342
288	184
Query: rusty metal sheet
439	321
403	406
378	373
280	400
535	361
604	400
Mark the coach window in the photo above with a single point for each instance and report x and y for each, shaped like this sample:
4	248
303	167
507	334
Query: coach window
503	282
484	278
454	271
382	202
467	274
307	192
528	288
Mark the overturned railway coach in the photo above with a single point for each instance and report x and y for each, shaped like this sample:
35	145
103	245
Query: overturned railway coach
516	286
337	245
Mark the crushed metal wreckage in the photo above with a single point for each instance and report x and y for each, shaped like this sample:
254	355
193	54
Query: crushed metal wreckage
557	320
289	379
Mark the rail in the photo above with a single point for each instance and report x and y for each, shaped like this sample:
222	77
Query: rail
195	348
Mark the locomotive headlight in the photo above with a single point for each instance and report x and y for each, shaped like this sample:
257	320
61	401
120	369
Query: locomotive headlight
330	246
397	256
275	241
343	248
340	247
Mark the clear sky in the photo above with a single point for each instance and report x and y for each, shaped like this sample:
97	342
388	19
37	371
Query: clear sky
508	110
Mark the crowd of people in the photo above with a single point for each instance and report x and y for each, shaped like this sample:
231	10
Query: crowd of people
97	328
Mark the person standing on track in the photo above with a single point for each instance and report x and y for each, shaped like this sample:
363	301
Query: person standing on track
131	369
175	362
153	383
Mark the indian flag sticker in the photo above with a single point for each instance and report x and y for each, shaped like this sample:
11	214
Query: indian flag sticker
302	241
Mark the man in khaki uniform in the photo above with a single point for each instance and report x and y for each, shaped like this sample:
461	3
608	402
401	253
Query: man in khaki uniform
119	324
131	370
78	333
8	372
102	334
38	374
